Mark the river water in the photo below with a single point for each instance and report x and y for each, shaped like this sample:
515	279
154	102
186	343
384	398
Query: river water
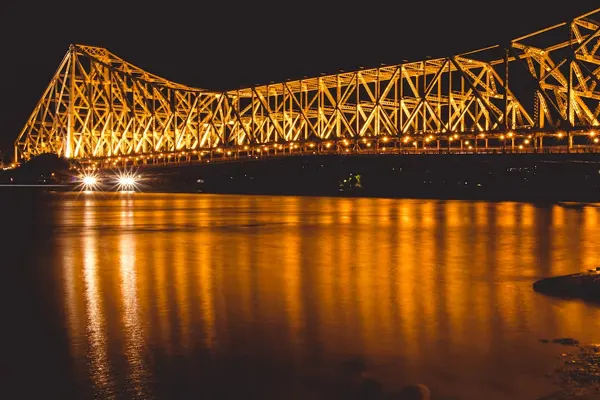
218	296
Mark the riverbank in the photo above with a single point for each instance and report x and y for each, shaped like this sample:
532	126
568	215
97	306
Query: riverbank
577	374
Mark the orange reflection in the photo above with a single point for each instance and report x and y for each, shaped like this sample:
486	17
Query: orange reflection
327	211
454	261
506	214
73	291
427	214
406	269
179	268
159	257
345	211
411	280
558	216
427	243
134	334
527	211
481	215
589	256
100	370
292	274
206	291
590	217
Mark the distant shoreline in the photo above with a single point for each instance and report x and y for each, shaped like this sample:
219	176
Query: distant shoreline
574	179
566	202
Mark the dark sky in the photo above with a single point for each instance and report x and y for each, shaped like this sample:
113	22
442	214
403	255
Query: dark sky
226	45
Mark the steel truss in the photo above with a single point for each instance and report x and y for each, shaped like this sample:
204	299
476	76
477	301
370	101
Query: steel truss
567	73
99	107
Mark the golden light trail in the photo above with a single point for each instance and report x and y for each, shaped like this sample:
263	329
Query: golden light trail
135	343
409	290
180	270
101	372
73	288
291	255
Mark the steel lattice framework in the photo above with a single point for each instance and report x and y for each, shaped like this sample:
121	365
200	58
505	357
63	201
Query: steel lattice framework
567	73
101	108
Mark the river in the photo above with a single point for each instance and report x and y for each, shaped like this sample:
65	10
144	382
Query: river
161	296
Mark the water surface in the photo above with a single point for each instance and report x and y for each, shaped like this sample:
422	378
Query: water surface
210	296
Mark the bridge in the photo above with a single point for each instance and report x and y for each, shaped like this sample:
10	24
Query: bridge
539	93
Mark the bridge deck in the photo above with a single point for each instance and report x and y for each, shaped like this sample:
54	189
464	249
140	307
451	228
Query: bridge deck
240	155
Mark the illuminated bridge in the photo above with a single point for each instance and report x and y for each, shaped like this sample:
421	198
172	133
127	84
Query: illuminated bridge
540	93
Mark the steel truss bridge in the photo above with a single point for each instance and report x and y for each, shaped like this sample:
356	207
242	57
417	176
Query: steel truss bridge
104	112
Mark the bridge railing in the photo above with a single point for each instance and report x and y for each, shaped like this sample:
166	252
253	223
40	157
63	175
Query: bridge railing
241	155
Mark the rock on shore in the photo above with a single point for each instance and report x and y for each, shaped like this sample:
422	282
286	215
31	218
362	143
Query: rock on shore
582	285
577	374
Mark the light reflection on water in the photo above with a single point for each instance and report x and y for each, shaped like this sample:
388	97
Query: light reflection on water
131	313
197	293
97	357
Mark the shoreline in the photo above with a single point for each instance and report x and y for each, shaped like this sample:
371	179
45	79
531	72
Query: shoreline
565	202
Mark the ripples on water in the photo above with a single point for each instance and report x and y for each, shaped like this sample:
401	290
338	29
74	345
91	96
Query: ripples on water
255	296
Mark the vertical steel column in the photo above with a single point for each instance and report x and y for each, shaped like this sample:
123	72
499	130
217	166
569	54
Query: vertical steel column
570	119
506	54
570	92
71	108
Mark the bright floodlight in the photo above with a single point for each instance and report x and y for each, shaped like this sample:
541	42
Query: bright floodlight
126	181
89	180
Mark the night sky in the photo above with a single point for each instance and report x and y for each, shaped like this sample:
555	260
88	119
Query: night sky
224	45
